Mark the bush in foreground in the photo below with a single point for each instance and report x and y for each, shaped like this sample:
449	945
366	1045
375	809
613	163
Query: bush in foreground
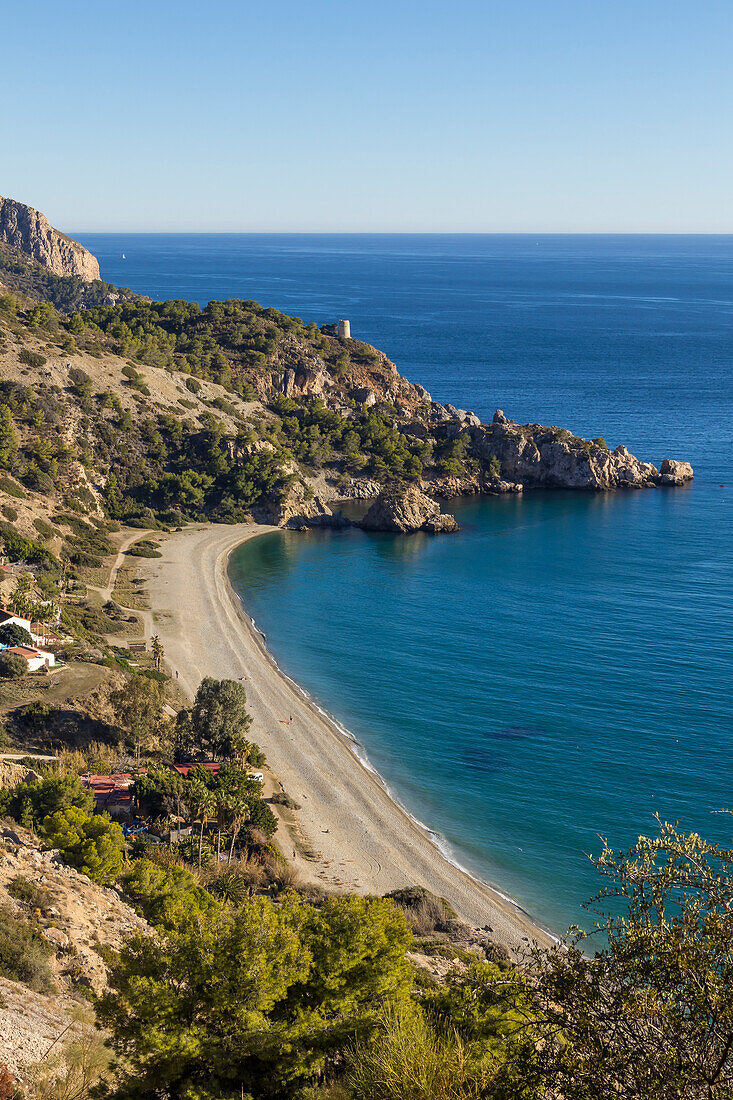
257	1000
92	844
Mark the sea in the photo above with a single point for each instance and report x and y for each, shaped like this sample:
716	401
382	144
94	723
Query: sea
561	670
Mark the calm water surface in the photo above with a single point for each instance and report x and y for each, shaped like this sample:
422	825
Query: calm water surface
563	667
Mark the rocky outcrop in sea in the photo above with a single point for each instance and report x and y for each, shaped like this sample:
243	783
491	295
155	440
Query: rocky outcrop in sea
406	509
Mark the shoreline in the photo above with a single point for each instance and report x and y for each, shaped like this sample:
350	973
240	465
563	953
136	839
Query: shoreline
351	832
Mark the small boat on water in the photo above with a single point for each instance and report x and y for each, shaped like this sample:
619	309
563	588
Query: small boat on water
124	257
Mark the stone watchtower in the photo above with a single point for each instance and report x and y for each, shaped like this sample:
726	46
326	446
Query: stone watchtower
344	330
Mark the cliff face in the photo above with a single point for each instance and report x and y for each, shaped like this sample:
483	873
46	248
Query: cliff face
542	457
28	230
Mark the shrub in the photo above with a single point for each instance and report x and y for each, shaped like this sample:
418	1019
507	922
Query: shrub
12	666
143	552
32	802
45	530
93	845
407	1058
31	358
283	799
425	912
75	1071
24	954
23	890
167	896
13	634
11	488
9	512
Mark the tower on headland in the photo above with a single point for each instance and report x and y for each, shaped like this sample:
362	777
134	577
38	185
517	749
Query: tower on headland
344	330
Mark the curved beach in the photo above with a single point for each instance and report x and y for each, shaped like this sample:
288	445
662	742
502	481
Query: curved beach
350	834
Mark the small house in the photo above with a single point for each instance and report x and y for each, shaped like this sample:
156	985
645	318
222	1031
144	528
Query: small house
35	658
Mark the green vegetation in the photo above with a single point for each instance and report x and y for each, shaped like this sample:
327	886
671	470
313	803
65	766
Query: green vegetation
24	954
30	894
138	708
217	725
30	803
256	999
12	666
25	277
12	634
168	897
91	843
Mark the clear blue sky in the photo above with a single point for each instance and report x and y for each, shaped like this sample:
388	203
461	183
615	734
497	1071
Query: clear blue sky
495	115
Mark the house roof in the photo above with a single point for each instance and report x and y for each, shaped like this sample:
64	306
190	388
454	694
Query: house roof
25	651
5	615
184	769
116	781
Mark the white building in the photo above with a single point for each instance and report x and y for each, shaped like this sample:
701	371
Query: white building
36	658
8	618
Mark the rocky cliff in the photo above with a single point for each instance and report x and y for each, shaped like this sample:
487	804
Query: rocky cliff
542	457
30	232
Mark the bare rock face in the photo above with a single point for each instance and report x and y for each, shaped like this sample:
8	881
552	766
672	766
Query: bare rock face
675	473
442	524
30	231
299	509
403	510
542	457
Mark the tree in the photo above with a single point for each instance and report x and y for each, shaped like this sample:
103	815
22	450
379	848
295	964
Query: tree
30	803
237	810
219	719
202	802
8	438
12	666
138	708
12	634
92	844
158	651
651	1013
257	999
168	897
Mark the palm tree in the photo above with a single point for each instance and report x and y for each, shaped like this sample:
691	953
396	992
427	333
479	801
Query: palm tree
202	803
238	812
158	651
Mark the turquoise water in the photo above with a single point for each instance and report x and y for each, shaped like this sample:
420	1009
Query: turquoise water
563	666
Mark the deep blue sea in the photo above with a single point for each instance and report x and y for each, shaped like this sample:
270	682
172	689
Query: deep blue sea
563	667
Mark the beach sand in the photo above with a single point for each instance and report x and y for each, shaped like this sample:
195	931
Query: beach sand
350	834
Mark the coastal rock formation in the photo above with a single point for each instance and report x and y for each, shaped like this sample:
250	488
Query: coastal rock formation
675	473
300	508
548	457
406	509
28	230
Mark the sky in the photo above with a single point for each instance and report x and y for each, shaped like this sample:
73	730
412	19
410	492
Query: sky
350	116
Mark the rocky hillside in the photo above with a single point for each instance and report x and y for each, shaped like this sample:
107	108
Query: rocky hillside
68	925
165	412
30	231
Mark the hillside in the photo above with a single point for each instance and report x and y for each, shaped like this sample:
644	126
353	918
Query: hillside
164	412
31	232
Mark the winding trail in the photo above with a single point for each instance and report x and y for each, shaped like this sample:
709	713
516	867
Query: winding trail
353	833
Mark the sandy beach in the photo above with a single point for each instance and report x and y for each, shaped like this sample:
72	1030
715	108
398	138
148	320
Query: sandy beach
350	834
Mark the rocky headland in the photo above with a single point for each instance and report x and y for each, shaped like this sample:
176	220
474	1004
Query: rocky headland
30	231
236	412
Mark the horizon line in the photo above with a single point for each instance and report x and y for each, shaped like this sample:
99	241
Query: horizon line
413	232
